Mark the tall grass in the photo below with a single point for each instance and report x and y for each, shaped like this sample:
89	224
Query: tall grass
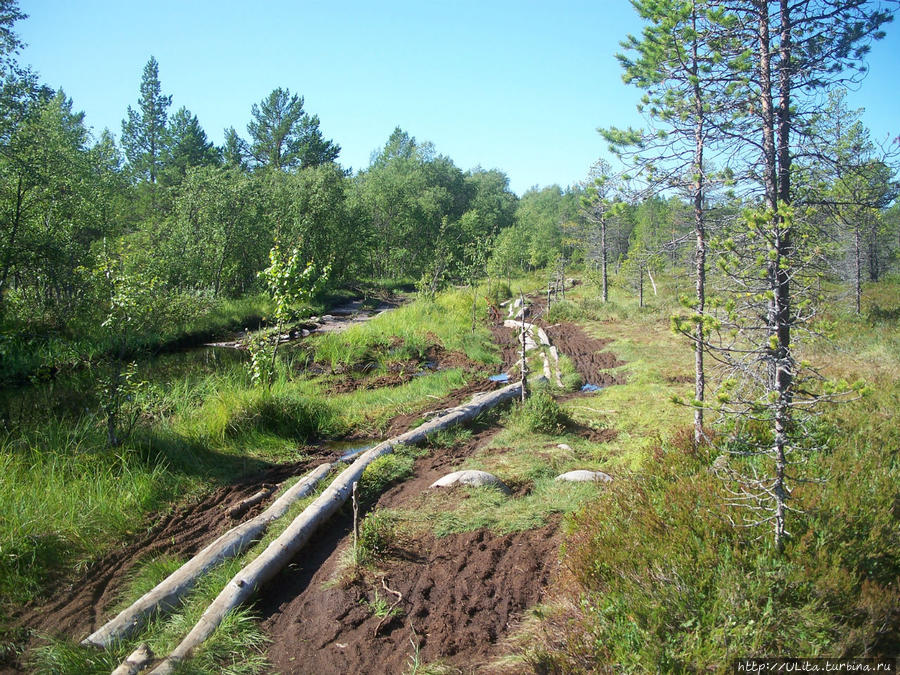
62	494
406	333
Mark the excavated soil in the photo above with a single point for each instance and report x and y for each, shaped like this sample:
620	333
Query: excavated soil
460	593
587	353
505	338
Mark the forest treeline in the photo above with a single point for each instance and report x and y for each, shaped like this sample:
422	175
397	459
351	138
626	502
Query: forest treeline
161	206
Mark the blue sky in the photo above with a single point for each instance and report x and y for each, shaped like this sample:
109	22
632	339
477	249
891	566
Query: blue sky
516	85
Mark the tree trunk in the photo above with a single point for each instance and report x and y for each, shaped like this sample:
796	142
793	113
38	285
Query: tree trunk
603	258
640	285
857	276
700	255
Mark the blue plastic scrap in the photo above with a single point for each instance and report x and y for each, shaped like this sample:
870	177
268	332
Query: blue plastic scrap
591	387
502	377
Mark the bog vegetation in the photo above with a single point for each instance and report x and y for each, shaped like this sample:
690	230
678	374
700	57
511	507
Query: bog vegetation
744	261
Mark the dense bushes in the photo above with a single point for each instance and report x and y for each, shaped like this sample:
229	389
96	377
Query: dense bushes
667	582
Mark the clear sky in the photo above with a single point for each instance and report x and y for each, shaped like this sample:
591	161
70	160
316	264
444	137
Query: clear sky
516	85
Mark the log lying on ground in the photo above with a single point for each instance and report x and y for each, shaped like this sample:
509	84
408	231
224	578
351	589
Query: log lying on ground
168	592
245	505
554	354
531	331
283	549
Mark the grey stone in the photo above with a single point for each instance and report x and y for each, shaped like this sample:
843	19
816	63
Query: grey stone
584	476
473	478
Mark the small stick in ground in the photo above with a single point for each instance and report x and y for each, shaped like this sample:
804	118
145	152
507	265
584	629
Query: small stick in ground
355	525
391	610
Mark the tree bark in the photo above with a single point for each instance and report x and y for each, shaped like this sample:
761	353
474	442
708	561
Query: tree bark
603	257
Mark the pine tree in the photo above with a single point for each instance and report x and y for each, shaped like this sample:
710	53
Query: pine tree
283	136
145	131
188	146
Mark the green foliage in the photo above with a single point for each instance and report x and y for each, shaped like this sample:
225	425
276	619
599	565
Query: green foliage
666	581
377	536
289	286
188	147
283	136
290	282
144	131
540	414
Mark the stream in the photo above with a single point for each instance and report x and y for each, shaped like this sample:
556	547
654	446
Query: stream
73	394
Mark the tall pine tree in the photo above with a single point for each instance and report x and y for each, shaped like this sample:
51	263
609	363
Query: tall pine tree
145	130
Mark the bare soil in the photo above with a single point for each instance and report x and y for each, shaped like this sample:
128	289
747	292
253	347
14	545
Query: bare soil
587	353
505	338
460	593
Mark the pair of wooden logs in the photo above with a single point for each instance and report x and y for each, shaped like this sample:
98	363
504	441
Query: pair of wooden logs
279	552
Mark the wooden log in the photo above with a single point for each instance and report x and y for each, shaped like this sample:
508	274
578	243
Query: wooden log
554	354
166	595
245	505
283	549
136	662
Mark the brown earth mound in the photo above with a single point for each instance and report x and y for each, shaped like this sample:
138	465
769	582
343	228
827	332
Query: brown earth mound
586	352
505	338
460	594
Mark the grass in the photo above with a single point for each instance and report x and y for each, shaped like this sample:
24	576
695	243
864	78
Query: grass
65	496
659	579
406	332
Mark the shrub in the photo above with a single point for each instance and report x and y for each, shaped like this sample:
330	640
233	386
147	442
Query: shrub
664	581
541	414
499	292
377	534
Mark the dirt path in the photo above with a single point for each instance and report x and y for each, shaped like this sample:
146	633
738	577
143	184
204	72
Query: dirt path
336	320
461	593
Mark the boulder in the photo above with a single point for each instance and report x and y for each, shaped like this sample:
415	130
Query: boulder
473	478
